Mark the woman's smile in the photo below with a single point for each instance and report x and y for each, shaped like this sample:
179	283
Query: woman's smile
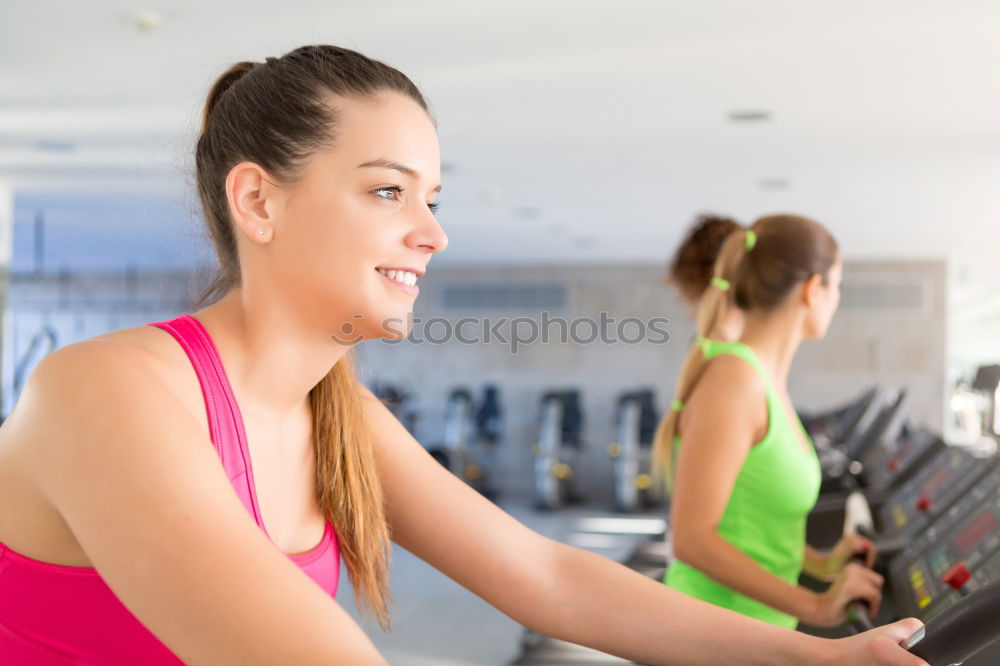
403	278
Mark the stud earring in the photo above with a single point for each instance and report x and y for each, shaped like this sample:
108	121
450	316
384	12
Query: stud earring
260	232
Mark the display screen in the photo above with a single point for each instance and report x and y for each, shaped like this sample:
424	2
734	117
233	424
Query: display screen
977	529
937	480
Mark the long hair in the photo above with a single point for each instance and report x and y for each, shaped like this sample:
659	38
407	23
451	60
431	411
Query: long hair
788	250
277	114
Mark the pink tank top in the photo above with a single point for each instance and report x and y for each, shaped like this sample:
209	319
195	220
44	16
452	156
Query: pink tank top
53	615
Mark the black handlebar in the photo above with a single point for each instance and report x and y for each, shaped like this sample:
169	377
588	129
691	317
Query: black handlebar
961	631
859	617
858	611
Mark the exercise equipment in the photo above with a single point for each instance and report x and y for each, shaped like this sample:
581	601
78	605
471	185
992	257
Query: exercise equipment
471	434
489	416
873	436
44	339
398	403
830	431
948	573
635	420
836	424
889	450
987	383
559	443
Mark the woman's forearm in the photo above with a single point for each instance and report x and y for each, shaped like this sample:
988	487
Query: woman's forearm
604	605
814	564
729	566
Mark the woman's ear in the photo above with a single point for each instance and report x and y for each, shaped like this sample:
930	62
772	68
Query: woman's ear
252	201
811	290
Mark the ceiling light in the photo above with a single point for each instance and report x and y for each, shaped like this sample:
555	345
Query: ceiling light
774	183
147	20
749	116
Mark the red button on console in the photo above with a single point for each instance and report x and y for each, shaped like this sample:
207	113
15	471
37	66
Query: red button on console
957	576
923	503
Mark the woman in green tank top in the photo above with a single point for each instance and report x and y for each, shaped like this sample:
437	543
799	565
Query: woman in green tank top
744	472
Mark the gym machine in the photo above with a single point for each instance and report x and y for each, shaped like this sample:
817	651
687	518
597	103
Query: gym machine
635	420
559	444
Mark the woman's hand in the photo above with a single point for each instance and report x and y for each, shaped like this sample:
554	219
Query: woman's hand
854	582
845	550
878	647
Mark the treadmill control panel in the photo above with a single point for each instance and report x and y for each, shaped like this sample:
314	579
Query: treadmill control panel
957	554
930	492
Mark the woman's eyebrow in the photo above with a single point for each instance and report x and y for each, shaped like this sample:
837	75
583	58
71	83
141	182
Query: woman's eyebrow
383	163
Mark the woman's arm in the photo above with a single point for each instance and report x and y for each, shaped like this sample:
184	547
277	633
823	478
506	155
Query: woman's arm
574	595
617	610
139	483
815	564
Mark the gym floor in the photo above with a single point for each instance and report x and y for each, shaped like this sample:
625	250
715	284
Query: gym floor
437	622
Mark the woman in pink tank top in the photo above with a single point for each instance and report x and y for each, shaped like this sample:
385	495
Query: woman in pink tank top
185	491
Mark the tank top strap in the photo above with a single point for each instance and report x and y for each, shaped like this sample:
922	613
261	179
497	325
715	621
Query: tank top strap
224	423
713	348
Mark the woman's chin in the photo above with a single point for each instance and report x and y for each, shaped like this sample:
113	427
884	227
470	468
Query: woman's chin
394	326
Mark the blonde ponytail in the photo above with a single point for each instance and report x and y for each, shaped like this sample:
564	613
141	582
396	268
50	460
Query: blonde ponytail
710	307
348	486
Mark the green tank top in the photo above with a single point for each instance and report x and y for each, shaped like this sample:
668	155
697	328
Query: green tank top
765	517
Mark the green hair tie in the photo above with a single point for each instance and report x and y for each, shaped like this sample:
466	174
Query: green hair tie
751	240
676	406
720	283
704	344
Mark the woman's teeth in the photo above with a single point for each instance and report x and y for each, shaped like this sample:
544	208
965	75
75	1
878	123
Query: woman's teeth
405	277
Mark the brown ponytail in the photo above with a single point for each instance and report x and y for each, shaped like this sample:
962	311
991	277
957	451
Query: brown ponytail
786	251
277	114
693	264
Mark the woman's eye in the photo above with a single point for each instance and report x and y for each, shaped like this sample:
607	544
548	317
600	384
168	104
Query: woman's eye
389	193
393	193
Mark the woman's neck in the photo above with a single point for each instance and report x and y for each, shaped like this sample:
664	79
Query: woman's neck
270	358
729	326
775	338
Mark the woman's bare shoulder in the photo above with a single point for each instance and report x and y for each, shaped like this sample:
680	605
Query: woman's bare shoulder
113	371
77	403
147	344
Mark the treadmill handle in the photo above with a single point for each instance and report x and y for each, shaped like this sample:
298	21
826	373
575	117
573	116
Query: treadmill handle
858	611
859	617
885	546
961	631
